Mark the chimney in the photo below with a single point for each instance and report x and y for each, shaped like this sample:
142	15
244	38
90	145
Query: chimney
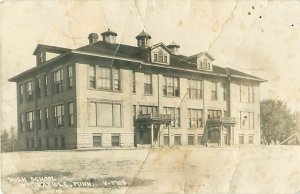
143	39
109	36
93	37
173	48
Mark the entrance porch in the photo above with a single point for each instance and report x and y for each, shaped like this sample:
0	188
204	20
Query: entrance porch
149	128
220	131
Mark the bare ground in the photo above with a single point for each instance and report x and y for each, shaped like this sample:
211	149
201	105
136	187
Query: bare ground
249	169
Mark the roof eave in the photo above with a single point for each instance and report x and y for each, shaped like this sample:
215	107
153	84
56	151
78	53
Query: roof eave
249	78
17	77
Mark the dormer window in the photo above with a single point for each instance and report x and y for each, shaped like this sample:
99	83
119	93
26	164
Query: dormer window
155	57
42	57
160	57
204	64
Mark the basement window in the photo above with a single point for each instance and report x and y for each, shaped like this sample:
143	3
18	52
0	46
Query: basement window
115	140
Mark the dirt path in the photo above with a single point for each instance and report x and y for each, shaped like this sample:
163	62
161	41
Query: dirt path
256	169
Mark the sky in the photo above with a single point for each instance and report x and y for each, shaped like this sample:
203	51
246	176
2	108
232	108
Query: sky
257	37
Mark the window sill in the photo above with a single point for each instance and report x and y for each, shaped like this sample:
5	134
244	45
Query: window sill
172	96
104	90
106	126
148	94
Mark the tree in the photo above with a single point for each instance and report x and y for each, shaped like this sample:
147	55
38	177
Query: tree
4	141
8	140
277	121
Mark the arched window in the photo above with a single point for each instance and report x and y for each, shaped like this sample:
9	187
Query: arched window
160	56
205	63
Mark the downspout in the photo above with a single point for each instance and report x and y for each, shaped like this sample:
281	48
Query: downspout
158	99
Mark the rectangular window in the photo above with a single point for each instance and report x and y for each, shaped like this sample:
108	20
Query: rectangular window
58	81
166	140
133	83
56	142
29	90
21	91
165	59
39	119
224	91
70	77
175	115
22	122
195	88
103	78
47	142
39	143
46	85
148	109
148	84
97	140
155	57
92	76
214	90
107	78
177	139
195	118
27	144
246	94
105	114
116	79
251	139
200	139
38	87
71	114
59	115
214	114
171	87
32	143
62	142
191	139
42	57
115	140
241	139
29	120
46	118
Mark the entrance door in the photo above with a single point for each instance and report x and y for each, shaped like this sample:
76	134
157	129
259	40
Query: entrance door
214	135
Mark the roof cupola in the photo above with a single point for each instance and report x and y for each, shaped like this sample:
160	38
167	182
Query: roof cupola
109	36
143	39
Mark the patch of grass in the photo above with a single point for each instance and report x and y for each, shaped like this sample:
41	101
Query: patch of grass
41	173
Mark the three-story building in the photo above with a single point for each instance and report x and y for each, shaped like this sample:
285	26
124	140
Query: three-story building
107	94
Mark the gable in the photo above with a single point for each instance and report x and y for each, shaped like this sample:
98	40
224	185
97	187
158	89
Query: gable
204	63
160	54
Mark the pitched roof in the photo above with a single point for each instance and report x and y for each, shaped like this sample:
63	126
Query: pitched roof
161	45
119	50
54	49
109	32
143	34
237	73
179	61
200	54
128	52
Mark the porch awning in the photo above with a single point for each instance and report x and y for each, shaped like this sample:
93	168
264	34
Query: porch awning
154	119
229	121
